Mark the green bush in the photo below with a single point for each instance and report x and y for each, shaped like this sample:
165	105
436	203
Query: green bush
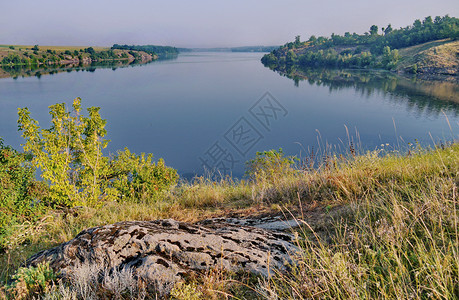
32	281
69	154
269	166
139	178
390	58
20	194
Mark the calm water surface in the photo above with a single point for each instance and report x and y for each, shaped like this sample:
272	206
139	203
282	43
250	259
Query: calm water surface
213	109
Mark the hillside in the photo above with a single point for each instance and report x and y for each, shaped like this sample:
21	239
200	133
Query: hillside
17	55
428	47
436	57
160	51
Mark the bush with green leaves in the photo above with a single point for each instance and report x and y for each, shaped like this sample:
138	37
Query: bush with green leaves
69	154
70	158
28	283
390	58
269	166
20	194
138	178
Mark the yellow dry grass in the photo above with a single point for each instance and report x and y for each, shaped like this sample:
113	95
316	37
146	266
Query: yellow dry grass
441	54
56	48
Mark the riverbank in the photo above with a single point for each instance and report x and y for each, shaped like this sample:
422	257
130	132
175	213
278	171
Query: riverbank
435	60
429	47
379	224
67	56
41	70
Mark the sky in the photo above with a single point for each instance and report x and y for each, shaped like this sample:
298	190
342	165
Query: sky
202	23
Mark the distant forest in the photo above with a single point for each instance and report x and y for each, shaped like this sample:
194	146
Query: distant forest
150	49
36	56
231	49
254	49
375	48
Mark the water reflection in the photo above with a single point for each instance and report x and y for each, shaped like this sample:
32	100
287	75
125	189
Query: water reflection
38	71
424	97
178	109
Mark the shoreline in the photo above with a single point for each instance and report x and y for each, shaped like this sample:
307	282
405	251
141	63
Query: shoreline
22	60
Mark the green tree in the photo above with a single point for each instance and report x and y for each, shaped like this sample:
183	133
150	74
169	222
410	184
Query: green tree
390	58
291	57
90	50
321	40
388	29
297	40
269	59
69	154
373	30
427	21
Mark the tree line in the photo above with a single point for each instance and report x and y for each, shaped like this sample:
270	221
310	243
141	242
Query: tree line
150	49
371	49
37	57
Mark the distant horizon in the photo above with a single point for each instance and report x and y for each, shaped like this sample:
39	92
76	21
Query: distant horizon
109	46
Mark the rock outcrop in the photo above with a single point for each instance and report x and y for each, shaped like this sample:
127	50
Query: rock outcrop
164	252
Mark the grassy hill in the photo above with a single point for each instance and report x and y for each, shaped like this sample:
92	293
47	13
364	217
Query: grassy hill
57	48
26	60
21	55
438	57
428	47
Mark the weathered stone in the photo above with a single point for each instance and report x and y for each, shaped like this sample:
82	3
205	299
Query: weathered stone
269	223
164	252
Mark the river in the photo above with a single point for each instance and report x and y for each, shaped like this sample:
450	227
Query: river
219	109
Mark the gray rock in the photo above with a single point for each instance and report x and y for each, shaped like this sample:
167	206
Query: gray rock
164	252
269	223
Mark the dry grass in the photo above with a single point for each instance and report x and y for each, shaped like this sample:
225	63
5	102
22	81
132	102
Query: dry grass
393	234
441	54
22	50
57	48
85	283
399	244
413	50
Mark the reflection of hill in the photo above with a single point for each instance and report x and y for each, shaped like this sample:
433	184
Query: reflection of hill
33	70
425	96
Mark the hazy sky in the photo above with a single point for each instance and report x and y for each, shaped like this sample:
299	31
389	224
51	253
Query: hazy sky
201	23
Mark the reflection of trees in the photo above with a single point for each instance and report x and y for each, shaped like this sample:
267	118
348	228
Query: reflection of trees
421	96
38	71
